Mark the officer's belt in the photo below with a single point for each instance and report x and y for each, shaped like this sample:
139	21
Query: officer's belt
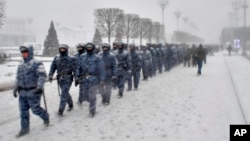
27	89
62	74
86	75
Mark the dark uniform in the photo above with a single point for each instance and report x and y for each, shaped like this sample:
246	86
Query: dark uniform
81	97
124	67
146	61
65	67
30	79
90	72
110	65
136	62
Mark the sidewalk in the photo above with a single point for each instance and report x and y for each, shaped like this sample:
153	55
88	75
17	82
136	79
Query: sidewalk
174	106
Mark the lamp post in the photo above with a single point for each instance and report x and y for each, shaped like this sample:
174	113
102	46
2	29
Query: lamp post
177	15
163	4
186	19
244	6
236	6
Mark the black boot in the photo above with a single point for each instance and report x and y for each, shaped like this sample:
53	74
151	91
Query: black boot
70	107
23	132
60	112
92	114
46	121
120	94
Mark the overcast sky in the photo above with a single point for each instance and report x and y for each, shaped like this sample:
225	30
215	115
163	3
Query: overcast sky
208	15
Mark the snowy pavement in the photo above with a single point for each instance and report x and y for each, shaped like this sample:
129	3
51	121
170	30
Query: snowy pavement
174	106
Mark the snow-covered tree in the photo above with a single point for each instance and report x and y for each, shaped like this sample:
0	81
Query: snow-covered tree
97	38
107	20
51	42
131	26
156	31
145	29
119	34
2	12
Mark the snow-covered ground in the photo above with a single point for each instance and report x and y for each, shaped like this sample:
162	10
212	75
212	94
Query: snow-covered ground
174	106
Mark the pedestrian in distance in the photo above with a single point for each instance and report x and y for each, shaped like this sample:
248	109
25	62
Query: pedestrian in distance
229	49
200	54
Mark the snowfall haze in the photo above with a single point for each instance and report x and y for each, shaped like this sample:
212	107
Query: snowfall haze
210	16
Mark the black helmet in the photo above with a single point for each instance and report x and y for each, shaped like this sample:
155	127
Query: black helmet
24	49
90	45
64	46
81	48
90	48
105	45
80	45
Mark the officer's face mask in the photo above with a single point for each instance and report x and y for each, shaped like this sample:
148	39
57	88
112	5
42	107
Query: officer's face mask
62	51
132	48
90	50
80	50
105	49
120	48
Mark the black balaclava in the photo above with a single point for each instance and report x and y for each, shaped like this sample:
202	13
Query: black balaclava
80	50
90	48
63	53
105	45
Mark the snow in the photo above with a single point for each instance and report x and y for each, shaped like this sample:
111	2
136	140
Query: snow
173	106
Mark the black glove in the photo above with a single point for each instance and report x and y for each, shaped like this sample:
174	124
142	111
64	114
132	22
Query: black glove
38	90
50	79
113	77
101	83
129	72
15	92
76	82
138	68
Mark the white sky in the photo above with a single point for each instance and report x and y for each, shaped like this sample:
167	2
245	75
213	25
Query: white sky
209	15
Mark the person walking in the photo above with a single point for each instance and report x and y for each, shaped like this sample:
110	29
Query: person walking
30	79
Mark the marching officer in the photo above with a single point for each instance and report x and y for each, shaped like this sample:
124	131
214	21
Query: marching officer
90	72
65	67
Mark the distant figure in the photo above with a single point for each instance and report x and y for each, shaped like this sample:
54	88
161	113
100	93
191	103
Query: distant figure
229	48
200	54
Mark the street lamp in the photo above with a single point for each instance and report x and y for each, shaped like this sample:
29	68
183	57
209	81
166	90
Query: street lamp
177	15
186	19
244	6
163	4
236	6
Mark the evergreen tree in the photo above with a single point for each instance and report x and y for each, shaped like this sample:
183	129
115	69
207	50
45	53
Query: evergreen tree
51	43
97	38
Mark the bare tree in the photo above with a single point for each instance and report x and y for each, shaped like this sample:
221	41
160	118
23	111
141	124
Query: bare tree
131	26
156	31
2	12
145	29
107	19
119	34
